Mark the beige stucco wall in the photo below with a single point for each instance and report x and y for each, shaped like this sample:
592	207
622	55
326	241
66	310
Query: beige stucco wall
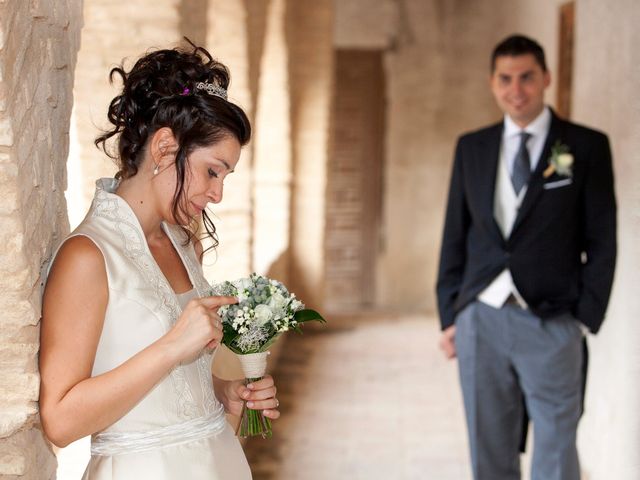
38	46
437	68
607	82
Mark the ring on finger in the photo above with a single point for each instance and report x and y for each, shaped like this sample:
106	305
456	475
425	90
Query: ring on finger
277	402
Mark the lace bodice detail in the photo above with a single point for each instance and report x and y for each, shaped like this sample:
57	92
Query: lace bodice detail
142	307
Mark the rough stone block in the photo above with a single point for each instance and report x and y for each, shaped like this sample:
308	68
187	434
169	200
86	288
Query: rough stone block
12	419
6	133
19	388
38	44
12	464
20	357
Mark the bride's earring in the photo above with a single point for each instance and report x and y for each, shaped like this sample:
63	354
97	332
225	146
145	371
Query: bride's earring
157	169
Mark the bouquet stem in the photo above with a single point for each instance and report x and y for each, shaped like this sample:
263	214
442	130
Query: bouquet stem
252	422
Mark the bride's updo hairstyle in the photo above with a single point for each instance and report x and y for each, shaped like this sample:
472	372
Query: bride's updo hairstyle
161	90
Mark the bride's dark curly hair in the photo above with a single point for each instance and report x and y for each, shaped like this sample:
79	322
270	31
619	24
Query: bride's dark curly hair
160	91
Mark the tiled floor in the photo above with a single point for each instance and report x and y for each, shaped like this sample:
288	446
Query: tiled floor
368	397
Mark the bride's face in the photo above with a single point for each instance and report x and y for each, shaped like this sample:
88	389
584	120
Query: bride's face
206	171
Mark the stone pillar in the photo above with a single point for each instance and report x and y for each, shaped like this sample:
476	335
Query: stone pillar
272	152
227	40
115	30
38	45
606	84
310	41
193	20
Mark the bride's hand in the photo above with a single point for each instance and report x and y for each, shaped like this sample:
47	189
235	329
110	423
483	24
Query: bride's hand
259	395
198	326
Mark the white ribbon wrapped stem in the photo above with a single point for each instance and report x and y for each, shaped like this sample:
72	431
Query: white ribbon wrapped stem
254	365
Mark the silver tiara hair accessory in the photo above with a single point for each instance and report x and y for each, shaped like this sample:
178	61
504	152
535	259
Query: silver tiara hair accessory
212	89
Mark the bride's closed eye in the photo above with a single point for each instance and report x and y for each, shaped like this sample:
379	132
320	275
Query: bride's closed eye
212	172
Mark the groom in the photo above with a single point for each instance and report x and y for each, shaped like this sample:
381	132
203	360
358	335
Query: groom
526	266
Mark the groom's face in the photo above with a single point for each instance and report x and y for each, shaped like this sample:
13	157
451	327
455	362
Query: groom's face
518	84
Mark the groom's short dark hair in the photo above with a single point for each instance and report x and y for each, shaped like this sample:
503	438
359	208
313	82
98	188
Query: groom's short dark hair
518	45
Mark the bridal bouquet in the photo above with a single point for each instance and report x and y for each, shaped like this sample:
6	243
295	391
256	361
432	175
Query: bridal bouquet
265	309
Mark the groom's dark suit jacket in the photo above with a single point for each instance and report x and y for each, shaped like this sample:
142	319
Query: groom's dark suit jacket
562	250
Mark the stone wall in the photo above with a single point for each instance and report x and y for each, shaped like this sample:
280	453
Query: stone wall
607	82
38	45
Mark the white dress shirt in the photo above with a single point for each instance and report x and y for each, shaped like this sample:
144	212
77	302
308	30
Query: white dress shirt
506	203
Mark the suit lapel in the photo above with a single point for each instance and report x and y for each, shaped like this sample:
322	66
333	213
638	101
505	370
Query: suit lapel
485	175
534	189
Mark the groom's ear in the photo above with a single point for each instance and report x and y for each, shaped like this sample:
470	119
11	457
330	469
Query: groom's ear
547	78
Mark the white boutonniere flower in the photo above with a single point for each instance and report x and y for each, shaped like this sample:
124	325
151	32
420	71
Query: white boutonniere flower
560	162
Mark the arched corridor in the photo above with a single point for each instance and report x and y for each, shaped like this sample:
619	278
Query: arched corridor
340	195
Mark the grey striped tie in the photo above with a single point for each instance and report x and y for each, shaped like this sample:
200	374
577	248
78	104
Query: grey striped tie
521	164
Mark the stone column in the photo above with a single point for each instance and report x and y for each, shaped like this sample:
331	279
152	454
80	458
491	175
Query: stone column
115	30
310	41
606	84
272	152
38	45
227	40
193	20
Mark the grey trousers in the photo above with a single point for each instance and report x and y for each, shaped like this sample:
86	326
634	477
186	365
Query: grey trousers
505	355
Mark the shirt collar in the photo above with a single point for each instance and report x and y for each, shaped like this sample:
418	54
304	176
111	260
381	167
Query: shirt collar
537	128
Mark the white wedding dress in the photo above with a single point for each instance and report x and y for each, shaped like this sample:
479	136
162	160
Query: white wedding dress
178	431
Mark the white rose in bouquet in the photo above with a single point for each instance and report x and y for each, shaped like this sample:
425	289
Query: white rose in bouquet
278	303
263	314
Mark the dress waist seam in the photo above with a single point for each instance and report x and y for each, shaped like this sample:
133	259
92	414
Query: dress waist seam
119	443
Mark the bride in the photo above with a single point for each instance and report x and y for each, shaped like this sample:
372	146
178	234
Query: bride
128	329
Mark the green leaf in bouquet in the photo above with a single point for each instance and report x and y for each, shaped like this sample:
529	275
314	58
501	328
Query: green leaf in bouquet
308	315
229	335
